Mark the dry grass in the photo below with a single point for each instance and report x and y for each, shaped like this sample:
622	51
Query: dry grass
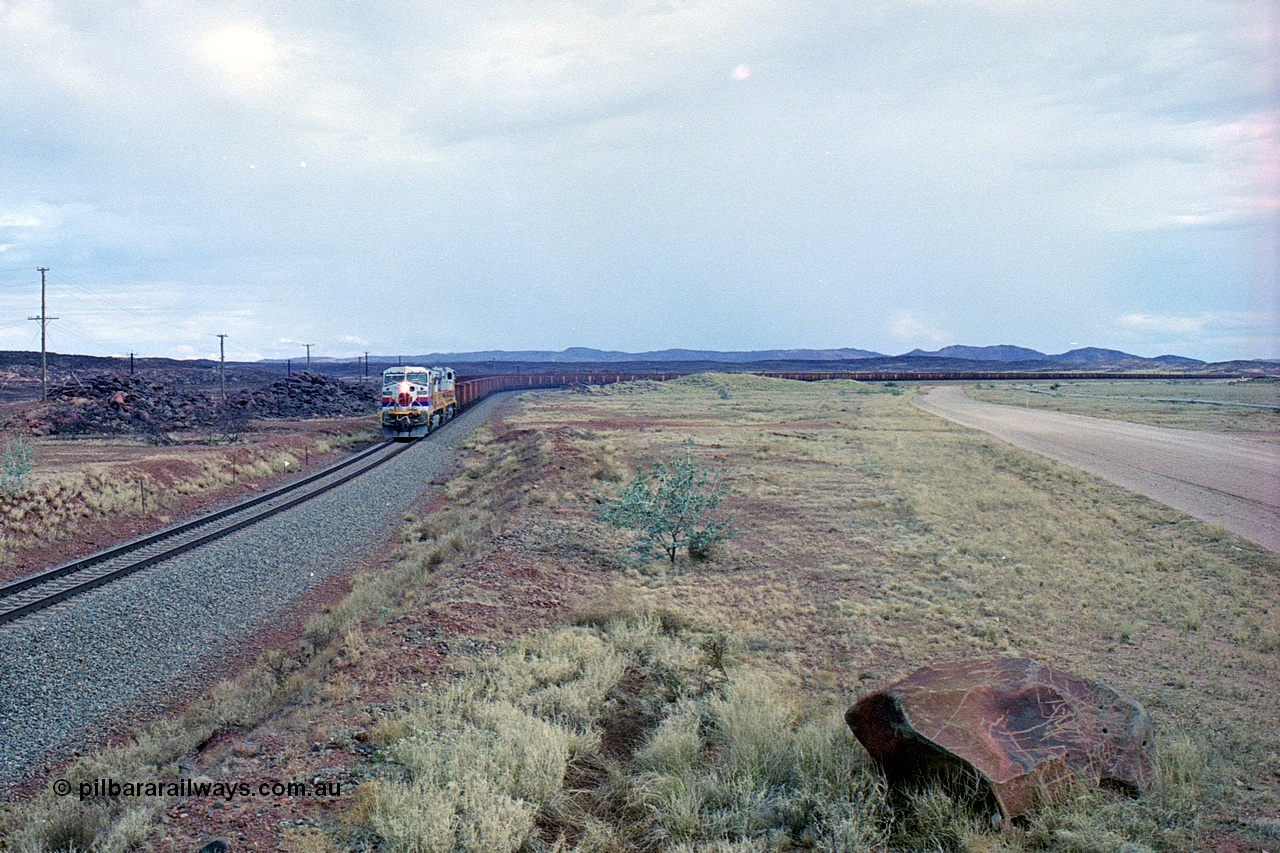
1177	403
877	538
52	823
625	733
444	537
65	497
699	708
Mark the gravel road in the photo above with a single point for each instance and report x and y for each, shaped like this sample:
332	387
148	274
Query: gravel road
71	669
1232	481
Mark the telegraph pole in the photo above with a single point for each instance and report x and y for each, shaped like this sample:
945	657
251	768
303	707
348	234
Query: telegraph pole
44	319
222	365
308	346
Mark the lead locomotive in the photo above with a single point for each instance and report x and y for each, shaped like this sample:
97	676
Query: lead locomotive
416	400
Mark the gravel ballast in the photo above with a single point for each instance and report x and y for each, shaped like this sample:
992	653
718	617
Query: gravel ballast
77	668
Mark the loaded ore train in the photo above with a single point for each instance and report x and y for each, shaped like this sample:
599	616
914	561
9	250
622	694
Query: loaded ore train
416	400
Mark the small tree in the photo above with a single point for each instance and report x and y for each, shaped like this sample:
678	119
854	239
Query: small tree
668	506
15	465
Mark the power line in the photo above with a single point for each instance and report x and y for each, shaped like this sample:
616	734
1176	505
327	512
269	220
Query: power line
87	295
65	331
30	339
91	305
89	298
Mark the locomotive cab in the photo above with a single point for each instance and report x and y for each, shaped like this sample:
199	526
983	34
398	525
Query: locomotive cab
406	402
416	400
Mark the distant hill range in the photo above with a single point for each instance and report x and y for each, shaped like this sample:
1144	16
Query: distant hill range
587	355
1086	355
959	359
1004	354
952	359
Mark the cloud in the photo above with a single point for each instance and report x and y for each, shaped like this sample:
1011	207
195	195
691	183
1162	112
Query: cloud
1192	324
242	52
751	168
1251	334
1167	324
908	328
19	220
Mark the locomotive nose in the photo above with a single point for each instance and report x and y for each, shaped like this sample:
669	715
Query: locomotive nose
403	396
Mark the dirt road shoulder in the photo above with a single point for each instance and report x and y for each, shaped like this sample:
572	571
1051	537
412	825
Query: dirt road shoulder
1230	481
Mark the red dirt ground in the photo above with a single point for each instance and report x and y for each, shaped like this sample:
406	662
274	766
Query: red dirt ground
165	465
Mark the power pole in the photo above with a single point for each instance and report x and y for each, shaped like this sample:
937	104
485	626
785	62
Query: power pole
130	364
308	346
366	364
222	365
44	319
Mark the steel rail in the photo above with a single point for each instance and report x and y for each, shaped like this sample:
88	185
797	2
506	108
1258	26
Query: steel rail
183	537
85	562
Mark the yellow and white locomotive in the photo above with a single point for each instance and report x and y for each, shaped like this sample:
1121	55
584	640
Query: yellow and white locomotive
416	400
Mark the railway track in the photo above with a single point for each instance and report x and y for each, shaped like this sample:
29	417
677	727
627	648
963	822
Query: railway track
36	592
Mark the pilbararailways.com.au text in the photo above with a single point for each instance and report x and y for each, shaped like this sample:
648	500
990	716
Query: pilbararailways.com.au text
228	791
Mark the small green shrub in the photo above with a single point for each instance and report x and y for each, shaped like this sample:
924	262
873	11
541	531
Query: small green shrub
668	509
15	465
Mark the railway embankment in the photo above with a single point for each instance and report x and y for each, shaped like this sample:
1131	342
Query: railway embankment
83	669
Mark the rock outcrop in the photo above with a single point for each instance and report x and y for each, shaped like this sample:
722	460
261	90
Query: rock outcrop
1020	727
113	403
306	395
116	403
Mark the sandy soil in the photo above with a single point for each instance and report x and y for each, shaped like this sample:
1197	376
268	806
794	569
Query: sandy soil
1231	481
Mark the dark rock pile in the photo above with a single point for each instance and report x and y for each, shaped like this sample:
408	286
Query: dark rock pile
115	403
118	403
305	395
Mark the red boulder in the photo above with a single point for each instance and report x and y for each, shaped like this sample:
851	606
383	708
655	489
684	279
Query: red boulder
1020	726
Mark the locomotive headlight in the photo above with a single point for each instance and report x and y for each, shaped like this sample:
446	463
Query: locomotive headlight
404	394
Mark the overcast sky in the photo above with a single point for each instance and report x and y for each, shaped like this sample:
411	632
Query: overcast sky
410	177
